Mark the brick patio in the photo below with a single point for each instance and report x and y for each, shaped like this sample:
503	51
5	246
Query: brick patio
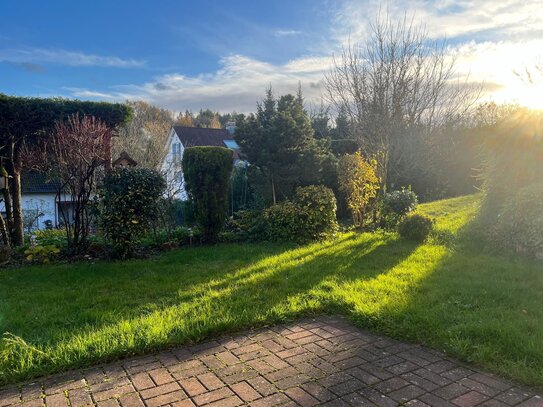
313	362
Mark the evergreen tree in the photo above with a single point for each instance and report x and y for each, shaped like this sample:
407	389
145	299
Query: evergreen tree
280	145
342	129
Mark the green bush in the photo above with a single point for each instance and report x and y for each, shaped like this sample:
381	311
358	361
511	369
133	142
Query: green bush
245	225
311	215
187	236
55	237
416	227
520	222
41	254
207	172
396	205
129	201
283	221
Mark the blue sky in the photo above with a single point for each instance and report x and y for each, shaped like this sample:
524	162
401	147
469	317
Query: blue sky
223	54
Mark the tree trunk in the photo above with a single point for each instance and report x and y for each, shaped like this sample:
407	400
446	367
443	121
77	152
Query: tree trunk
4	231
14	171
8	207
273	189
18	224
384	172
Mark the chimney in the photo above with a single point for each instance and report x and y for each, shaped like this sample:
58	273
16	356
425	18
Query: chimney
230	127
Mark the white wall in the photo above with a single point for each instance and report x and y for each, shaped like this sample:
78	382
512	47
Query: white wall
172	166
44	203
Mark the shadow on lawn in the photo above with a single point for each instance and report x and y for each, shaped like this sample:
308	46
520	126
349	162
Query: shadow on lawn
282	286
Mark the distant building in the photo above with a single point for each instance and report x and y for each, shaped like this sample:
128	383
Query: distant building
124	161
180	138
42	205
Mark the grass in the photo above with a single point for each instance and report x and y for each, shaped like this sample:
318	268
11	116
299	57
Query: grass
448	294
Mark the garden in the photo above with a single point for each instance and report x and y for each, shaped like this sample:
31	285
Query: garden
483	307
431	233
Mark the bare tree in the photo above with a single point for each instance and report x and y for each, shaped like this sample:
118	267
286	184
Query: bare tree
145	136
396	87
76	153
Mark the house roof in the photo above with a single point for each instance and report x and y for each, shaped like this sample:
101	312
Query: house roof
200	137
34	182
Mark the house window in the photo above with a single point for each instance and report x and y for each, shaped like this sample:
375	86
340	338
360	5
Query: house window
231	144
176	148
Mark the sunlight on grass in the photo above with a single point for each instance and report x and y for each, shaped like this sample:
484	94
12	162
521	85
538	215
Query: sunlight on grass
368	299
476	306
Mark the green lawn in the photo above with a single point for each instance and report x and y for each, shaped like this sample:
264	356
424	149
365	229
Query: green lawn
486	309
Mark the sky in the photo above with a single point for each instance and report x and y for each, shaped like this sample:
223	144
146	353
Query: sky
181	54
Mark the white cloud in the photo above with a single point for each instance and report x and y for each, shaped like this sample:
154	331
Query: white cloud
90	94
444	18
240	80
64	57
237	85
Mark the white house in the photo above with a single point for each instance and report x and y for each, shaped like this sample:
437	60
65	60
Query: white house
39	201
181	137
41	204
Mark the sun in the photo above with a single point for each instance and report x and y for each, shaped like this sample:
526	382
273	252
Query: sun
532	97
521	92
529	86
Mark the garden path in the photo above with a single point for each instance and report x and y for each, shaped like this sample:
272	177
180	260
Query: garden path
322	361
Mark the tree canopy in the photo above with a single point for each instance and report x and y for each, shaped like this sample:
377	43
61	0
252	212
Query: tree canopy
280	144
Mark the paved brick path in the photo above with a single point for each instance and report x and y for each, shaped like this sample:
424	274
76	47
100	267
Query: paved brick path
324	361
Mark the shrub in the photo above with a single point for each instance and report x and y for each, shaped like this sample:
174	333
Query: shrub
396	205
129	200
520	222
246	225
283	221
358	183
318	204
154	238
415	227
47	237
41	254
187	236
207	172
311	215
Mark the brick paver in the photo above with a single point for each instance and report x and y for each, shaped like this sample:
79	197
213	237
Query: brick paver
324	361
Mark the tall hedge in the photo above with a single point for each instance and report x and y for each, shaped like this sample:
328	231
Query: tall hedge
207	172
